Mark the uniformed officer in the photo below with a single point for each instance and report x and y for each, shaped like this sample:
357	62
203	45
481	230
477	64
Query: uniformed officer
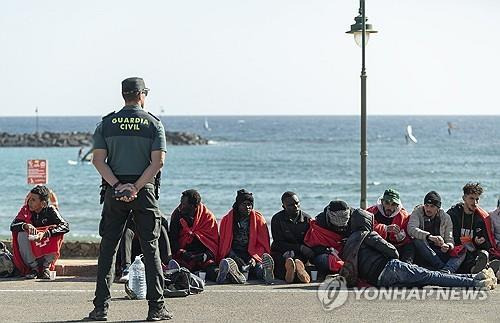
129	150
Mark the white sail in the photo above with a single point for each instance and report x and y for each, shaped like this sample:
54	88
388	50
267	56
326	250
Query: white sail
409	135
207	128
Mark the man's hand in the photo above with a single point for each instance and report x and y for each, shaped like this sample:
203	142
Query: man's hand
479	240
437	240
393	228
40	236
30	229
127	187
445	248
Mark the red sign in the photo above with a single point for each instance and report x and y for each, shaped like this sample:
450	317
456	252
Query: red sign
38	171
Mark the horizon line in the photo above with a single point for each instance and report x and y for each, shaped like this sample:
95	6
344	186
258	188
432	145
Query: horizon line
268	115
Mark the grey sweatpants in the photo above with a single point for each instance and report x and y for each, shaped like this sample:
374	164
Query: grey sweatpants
27	254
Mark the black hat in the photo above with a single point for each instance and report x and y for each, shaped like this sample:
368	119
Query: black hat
242	196
433	198
133	84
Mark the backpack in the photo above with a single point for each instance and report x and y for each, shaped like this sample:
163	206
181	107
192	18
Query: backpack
7	267
180	282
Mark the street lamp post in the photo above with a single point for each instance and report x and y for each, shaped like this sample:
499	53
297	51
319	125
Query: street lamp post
361	31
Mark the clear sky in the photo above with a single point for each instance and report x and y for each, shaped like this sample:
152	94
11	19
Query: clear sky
249	57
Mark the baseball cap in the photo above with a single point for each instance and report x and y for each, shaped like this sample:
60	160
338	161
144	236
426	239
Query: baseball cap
391	195
133	84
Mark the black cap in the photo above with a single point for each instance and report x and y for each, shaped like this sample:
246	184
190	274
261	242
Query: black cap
433	198
133	84
242	196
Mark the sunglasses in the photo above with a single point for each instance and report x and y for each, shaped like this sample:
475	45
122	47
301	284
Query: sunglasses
145	91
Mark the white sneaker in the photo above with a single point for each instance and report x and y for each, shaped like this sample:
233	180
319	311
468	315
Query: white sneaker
124	278
485	274
486	284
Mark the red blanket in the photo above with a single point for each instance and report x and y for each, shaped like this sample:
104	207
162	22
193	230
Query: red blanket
258	240
40	248
401	219
319	236
204	228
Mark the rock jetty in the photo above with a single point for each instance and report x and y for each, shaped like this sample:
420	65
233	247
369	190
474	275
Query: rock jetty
79	139
72	249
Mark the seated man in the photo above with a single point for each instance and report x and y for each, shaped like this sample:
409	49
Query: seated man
370	258
495	224
244	243
289	226
326	235
37	235
391	221
193	235
472	230
130	247
432	230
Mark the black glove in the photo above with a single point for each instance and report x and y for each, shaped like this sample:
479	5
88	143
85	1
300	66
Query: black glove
306	251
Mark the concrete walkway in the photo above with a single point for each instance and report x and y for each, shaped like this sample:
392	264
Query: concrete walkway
69	299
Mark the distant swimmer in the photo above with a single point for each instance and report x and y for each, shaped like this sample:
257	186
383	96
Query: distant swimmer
80	153
409	135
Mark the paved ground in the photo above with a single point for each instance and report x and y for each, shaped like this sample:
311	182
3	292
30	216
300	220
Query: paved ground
68	299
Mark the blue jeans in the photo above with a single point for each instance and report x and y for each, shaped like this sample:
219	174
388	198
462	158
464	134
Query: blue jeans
401	274
436	258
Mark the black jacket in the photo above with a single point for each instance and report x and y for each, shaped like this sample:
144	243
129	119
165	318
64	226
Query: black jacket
365	252
288	234
473	226
48	216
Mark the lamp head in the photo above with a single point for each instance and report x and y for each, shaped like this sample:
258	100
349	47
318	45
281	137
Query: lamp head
357	30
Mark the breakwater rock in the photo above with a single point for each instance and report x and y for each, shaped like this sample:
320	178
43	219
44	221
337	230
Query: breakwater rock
79	139
72	249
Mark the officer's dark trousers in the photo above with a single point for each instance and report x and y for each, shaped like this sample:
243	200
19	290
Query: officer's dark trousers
147	219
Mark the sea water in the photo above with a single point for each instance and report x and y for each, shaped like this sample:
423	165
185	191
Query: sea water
318	157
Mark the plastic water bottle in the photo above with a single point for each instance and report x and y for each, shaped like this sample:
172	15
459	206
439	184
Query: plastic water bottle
137	278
